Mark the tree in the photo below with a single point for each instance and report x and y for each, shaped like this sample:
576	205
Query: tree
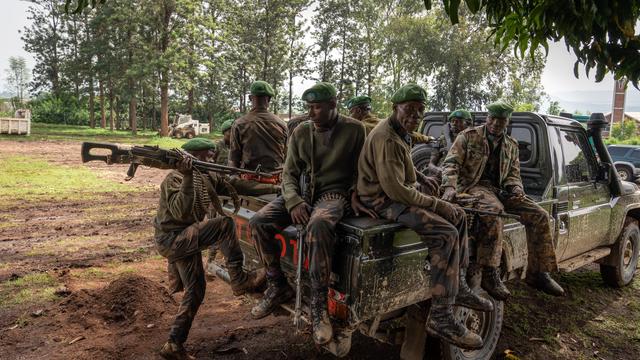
18	77
554	108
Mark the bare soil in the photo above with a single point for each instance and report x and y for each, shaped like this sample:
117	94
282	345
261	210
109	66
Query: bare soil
112	301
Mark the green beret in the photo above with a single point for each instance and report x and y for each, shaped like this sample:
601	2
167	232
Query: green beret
198	144
262	88
460	113
358	100
500	109
409	92
226	125
319	92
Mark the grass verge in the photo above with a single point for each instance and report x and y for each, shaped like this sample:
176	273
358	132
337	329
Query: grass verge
31	288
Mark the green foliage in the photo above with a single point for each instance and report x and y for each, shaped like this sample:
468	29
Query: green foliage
554	108
59	109
625	131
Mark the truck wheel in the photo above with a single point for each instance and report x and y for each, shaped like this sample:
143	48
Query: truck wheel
190	135
487	325
178	134
421	155
624	173
625	255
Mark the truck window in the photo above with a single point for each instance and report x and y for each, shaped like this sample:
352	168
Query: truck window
576	149
434	130
617	151
526	145
635	155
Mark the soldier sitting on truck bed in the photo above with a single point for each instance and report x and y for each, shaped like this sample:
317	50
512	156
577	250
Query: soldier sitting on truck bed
325	152
387	184
484	163
259	138
458	121
184	227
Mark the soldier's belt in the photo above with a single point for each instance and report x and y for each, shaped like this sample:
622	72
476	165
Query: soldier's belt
273	180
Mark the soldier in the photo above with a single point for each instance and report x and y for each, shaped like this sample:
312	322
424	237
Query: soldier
293	123
325	151
360	109
483	162
458	121
183	228
222	146
387	184
259	138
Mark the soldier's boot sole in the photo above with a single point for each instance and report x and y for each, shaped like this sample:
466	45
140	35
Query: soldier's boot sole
474	301
468	341
253	282
261	310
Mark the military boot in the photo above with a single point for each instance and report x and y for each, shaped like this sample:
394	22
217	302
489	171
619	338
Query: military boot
243	282
492	284
173	351
467	298
442	324
278	292
322	330
544	282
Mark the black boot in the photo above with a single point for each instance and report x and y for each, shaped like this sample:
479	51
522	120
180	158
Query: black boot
492	284
278	292
544	282
322	330
443	325
467	298
243	282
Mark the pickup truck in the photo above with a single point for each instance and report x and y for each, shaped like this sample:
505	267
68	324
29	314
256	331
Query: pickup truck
380	282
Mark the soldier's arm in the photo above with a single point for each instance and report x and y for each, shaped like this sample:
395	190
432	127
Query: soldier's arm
390	170
453	161
293	167
513	173
235	148
361	134
179	195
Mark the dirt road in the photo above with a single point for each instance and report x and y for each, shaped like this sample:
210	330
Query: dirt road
80	279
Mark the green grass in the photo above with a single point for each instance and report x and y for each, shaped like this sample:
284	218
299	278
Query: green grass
31	288
51	132
29	178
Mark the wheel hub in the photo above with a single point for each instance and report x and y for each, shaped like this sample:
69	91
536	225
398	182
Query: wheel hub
628	253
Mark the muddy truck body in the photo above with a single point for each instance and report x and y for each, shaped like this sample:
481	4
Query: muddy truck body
380	273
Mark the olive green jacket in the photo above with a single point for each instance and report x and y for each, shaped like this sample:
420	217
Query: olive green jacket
466	160
370	121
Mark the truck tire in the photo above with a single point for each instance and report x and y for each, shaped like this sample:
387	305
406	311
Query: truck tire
487	325
421	155
178	134
624	172
190	135
625	255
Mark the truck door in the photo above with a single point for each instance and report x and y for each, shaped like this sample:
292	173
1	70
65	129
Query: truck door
589	206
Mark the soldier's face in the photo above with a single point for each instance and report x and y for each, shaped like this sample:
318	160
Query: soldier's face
322	113
409	114
204	155
356	112
458	124
497	125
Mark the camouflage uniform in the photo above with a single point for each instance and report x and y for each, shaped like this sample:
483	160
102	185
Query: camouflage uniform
475	166
258	138
335	155
222	153
173	239
387	184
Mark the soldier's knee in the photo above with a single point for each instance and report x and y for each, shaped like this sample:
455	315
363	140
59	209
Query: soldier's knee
257	220
318	224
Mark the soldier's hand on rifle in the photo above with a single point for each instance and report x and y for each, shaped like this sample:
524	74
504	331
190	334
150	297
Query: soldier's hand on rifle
516	191
449	194
450	212
300	213
359	208
185	166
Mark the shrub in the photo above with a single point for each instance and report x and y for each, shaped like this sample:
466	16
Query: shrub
624	131
62	109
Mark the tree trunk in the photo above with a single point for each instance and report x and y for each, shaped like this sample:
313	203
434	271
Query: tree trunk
290	94
133	120
103	117
143	114
190	101
210	120
92	112
164	103
111	105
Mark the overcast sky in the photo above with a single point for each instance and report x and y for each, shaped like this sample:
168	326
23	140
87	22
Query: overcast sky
557	78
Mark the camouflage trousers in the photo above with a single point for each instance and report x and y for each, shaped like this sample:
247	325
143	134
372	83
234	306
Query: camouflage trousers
183	252
253	188
489	234
320	235
447	242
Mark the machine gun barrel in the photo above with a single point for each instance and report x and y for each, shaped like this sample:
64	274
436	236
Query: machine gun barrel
153	156
491	213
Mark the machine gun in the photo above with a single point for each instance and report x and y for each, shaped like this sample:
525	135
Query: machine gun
155	157
491	213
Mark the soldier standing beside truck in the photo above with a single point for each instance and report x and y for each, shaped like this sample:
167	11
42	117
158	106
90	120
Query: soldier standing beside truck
324	151
483	162
184	227
387	184
222	146
459	120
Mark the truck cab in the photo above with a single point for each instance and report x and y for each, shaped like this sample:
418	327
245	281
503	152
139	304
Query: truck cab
380	275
